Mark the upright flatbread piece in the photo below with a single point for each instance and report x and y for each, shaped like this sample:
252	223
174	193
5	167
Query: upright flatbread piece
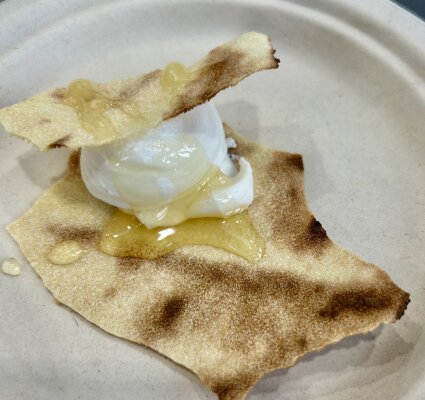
227	320
46	121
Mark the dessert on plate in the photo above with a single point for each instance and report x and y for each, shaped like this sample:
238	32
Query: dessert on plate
173	231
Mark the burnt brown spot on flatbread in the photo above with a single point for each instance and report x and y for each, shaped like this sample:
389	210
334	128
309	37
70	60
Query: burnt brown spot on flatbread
351	301
272	53
215	73
59	143
315	232
233	387
81	234
292	224
44	121
296	161
285	173
110	293
135	87
284	163
59	94
294	195
318	288
302	343
312	238
163	319
233	277
170	312
403	305
128	264
74	162
242	291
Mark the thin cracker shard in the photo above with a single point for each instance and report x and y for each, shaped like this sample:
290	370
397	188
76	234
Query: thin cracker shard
223	67
228	321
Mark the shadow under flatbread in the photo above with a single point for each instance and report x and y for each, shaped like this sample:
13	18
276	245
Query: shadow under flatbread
243	116
39	165
299	139
272	381
199	387
365	352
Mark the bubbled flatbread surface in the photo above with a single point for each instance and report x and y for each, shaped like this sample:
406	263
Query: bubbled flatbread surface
227	320
46	121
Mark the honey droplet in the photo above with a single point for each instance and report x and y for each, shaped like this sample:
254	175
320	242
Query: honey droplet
91	106
11	266
65	252
125	236
174	76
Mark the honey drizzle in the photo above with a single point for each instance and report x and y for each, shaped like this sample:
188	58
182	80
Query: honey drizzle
125	236
175	76
91	105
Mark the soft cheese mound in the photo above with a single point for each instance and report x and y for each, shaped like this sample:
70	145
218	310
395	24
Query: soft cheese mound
179	170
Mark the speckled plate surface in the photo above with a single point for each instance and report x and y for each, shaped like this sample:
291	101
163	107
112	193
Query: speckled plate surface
349	96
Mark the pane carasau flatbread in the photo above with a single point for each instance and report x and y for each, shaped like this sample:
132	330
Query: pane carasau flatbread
227	320
46	121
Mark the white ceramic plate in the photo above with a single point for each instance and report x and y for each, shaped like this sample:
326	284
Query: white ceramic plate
349	96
